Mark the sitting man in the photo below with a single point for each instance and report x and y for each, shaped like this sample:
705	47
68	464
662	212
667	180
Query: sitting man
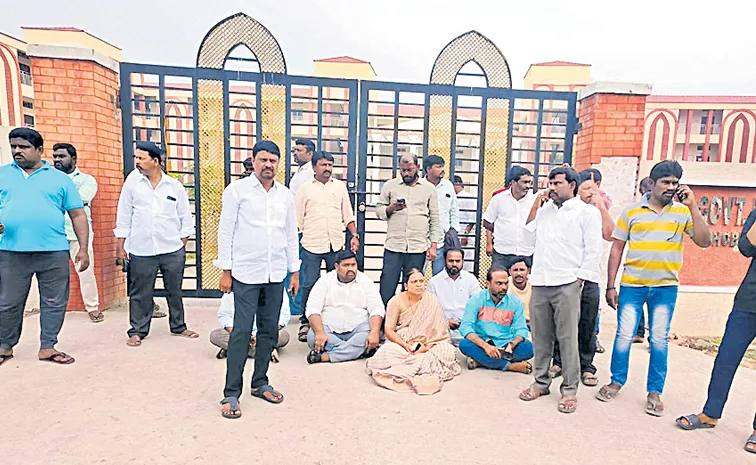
494	328
220	337
345	312
454	287
519	283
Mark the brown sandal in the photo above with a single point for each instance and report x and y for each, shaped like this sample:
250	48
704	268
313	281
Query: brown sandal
568	404
533	393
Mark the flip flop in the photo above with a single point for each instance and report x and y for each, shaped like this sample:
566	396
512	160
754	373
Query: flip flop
693	423
752	442
54	358
652	407
568	404
235	412
472	364
188	333
136	343
533	393
96	317
302	334
589	379
607	394
260	392
313	357
5	357
555	371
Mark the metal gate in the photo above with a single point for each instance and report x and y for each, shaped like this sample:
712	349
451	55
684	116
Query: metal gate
208	118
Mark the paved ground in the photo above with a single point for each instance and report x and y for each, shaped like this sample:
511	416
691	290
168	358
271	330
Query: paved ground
158	404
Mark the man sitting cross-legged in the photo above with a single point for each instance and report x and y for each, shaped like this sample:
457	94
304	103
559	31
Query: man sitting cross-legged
345	312
454	287
220	337
494	328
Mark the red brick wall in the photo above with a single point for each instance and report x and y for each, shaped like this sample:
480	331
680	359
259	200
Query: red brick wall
718	265
611	126
74	102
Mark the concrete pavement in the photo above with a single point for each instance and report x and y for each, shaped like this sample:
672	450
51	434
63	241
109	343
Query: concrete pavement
159	404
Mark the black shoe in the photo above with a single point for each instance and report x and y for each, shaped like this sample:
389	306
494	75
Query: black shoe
221	354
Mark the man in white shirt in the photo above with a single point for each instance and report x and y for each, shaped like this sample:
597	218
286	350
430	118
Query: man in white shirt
303	151
153	224
568	249
219	337
257	246
64	159
346	313
506	216
448	209
454	287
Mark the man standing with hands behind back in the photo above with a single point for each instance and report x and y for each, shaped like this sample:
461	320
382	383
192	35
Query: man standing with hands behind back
261	208
153	224
410	206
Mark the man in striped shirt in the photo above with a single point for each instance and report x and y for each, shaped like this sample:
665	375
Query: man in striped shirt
654	228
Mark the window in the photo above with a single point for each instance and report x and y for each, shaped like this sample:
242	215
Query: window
28	104
29	121
24	68
297	115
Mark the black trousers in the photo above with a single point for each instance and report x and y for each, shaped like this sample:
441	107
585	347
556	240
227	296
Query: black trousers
507	260
395	265
309	273
252	301
142	276
16	271
589	307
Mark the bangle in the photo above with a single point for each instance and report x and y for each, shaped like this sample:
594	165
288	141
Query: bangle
611	288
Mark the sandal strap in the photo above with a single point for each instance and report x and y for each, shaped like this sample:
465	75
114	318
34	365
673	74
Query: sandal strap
232	401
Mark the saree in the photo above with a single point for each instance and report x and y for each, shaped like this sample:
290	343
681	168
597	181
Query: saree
392	367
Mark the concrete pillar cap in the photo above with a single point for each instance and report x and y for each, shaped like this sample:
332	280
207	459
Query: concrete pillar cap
615	87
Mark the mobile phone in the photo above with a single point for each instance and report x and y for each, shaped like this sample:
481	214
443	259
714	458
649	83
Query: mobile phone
402	201
416	346
681	196
124	264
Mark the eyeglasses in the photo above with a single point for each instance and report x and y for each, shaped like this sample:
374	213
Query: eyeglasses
677	229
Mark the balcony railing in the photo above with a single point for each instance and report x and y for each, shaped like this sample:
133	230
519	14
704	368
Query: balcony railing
698	128
26	78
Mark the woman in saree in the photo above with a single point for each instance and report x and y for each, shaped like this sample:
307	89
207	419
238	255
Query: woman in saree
418	355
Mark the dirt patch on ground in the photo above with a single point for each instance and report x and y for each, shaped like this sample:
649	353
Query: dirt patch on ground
710	345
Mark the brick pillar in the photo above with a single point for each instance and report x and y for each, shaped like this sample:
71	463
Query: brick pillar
75	95
612	118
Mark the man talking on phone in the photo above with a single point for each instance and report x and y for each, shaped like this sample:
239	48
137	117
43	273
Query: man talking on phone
410	206
654	227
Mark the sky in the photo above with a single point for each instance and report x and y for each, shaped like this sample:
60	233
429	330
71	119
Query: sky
680	47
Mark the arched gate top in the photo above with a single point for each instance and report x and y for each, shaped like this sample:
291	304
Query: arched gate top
236	30
471	46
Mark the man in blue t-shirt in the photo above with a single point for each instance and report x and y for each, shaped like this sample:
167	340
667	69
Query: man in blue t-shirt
494	328
34	199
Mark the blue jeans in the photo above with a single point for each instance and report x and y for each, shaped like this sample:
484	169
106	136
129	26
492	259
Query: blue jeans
739	333
295	303
523	351
661	306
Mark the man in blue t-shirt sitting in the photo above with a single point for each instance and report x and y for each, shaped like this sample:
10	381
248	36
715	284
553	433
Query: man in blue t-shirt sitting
34	199
494	328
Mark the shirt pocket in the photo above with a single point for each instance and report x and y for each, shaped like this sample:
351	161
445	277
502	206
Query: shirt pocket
279	214
167	207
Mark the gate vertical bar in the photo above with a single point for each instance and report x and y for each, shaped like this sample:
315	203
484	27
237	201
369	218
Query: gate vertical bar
320	118
127	120
481	179
453	141
537	167
512	109
426	124
571	129
395	142
226	134
197	196
161	110
362	169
